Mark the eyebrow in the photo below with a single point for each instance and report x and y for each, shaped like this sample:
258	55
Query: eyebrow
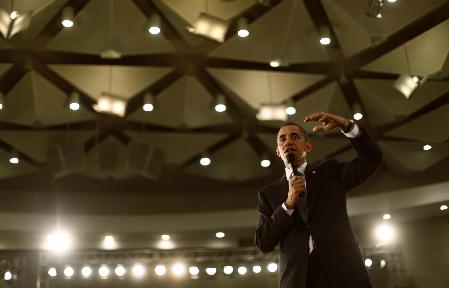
293	133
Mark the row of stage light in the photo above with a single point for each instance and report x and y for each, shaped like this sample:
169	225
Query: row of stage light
139	271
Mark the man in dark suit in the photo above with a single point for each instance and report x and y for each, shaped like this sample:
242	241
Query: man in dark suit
307	214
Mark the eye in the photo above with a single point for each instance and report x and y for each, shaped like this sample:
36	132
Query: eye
294	137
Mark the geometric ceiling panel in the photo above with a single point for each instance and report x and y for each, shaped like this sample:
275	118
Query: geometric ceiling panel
185	103
256	87
327	99
286	33
104	25
393	101
42	12
410	155
35	144
394	17
429	128
46	104
235	162
426	54
125	81
189	10
351	35
8	170
376	110
177	147
4	67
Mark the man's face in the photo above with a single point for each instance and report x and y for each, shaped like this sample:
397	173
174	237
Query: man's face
291	140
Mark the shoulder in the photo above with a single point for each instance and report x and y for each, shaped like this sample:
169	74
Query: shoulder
273	187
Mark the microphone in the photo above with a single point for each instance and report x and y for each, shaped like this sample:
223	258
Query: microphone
291	158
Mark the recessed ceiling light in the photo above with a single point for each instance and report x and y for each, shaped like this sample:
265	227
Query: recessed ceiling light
220	234
426	147
443	207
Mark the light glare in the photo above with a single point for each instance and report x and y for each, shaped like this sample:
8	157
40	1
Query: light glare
67	23
290	110
385	233
386	216
325	40
257	269
148	107
58	241
7	276
211	271
243	33
194	271
138	270
104	271
265	163
242	270
86	271
14	160
120	271
69	272
427	147
368	262
220	108
443	207
205	161
154	30
178	269
272	267
228	270
160	270
275	63
52	272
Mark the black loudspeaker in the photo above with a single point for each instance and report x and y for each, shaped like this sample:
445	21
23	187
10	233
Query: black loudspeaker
66	158
144	160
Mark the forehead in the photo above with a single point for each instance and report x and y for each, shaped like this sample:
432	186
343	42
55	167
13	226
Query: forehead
289	129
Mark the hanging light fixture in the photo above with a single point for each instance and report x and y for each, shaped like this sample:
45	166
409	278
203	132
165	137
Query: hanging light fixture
2	100
74	101
407	83
68	17
148	102
209	26
242	25
271	111
220	103
154	26
325	35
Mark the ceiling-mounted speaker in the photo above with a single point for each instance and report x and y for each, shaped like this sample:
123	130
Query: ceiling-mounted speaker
66	158
144	160
110	157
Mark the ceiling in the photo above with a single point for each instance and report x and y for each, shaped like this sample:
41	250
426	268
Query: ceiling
41	66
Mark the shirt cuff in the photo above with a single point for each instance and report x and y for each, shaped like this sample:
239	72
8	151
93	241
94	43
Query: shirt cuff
289	211
355	132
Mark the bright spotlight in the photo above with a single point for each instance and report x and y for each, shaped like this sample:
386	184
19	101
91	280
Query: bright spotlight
243	33
220	108
242	270
220	235
368	262
357	116
86	271
120	271
194	271
154	30
58	241
104	271
426	147
275	63
148	107
178	269
290	110
325	40
443	207
257	269
160	270
391	1
272	267
228	270
13	15
68	17
205	161
7	276
52	272
385	233
68	272
211	271
165	237
109	242
386	216
74	106
383	263
14	160
265	163
138	270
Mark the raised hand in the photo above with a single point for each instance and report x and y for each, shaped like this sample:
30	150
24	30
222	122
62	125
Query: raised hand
328	121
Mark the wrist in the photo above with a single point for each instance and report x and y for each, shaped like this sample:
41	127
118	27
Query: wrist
288	205
349	126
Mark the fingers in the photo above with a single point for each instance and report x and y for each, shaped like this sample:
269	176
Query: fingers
314	117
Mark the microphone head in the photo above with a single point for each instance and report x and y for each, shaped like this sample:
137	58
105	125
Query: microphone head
291	158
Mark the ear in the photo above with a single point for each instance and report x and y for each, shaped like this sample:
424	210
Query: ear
308	146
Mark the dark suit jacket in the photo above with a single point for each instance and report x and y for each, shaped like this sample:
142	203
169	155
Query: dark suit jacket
328	183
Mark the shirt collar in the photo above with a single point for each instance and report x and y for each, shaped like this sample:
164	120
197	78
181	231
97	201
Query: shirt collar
302	168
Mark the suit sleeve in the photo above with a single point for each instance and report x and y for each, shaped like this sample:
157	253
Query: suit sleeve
272	226
369	158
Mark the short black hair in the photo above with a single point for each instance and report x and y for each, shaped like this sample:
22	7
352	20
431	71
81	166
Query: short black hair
303	131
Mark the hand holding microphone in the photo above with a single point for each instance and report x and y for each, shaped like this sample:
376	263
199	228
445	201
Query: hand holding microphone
297	183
